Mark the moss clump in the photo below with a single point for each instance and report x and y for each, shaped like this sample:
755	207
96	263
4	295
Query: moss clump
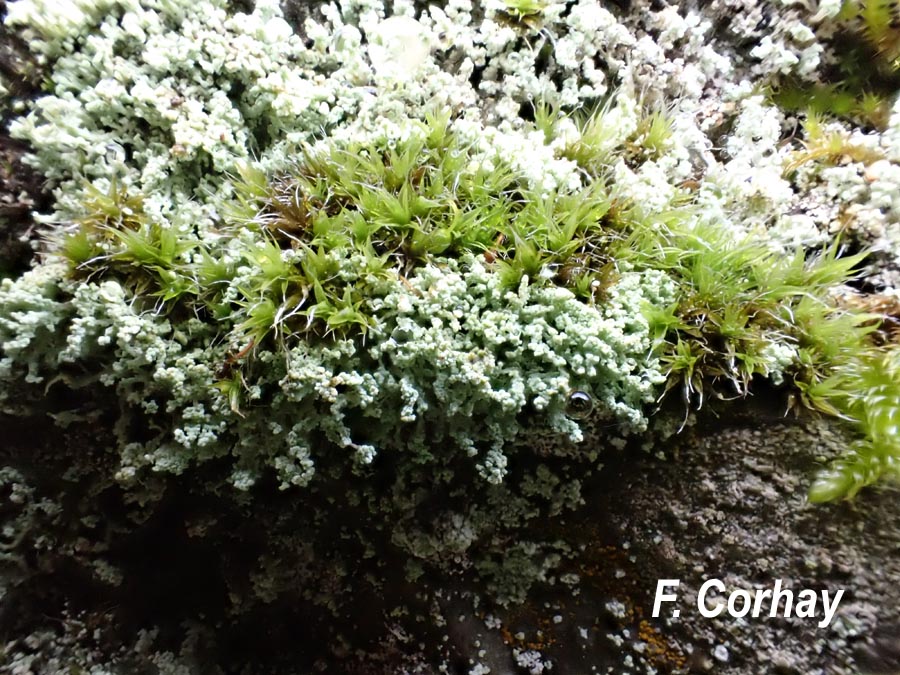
866	390
386	323
414	340
876	22
408	287
862	82
743	314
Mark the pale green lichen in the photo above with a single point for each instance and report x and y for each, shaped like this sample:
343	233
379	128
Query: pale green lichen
166	97
282	269
454	356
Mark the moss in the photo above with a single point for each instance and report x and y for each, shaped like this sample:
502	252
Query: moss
412	277
389	344
865	391
416	339
862	82
875	21
743	313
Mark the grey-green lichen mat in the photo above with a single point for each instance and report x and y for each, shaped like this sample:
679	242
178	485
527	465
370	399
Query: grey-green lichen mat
435	265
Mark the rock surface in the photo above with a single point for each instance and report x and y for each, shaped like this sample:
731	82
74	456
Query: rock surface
728	502
20	187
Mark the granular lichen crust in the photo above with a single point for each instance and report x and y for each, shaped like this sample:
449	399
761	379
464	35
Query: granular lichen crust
372	303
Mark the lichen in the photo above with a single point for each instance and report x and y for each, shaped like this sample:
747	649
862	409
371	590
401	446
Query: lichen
404	277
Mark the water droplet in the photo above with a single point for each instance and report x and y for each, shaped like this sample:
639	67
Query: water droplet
579	405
